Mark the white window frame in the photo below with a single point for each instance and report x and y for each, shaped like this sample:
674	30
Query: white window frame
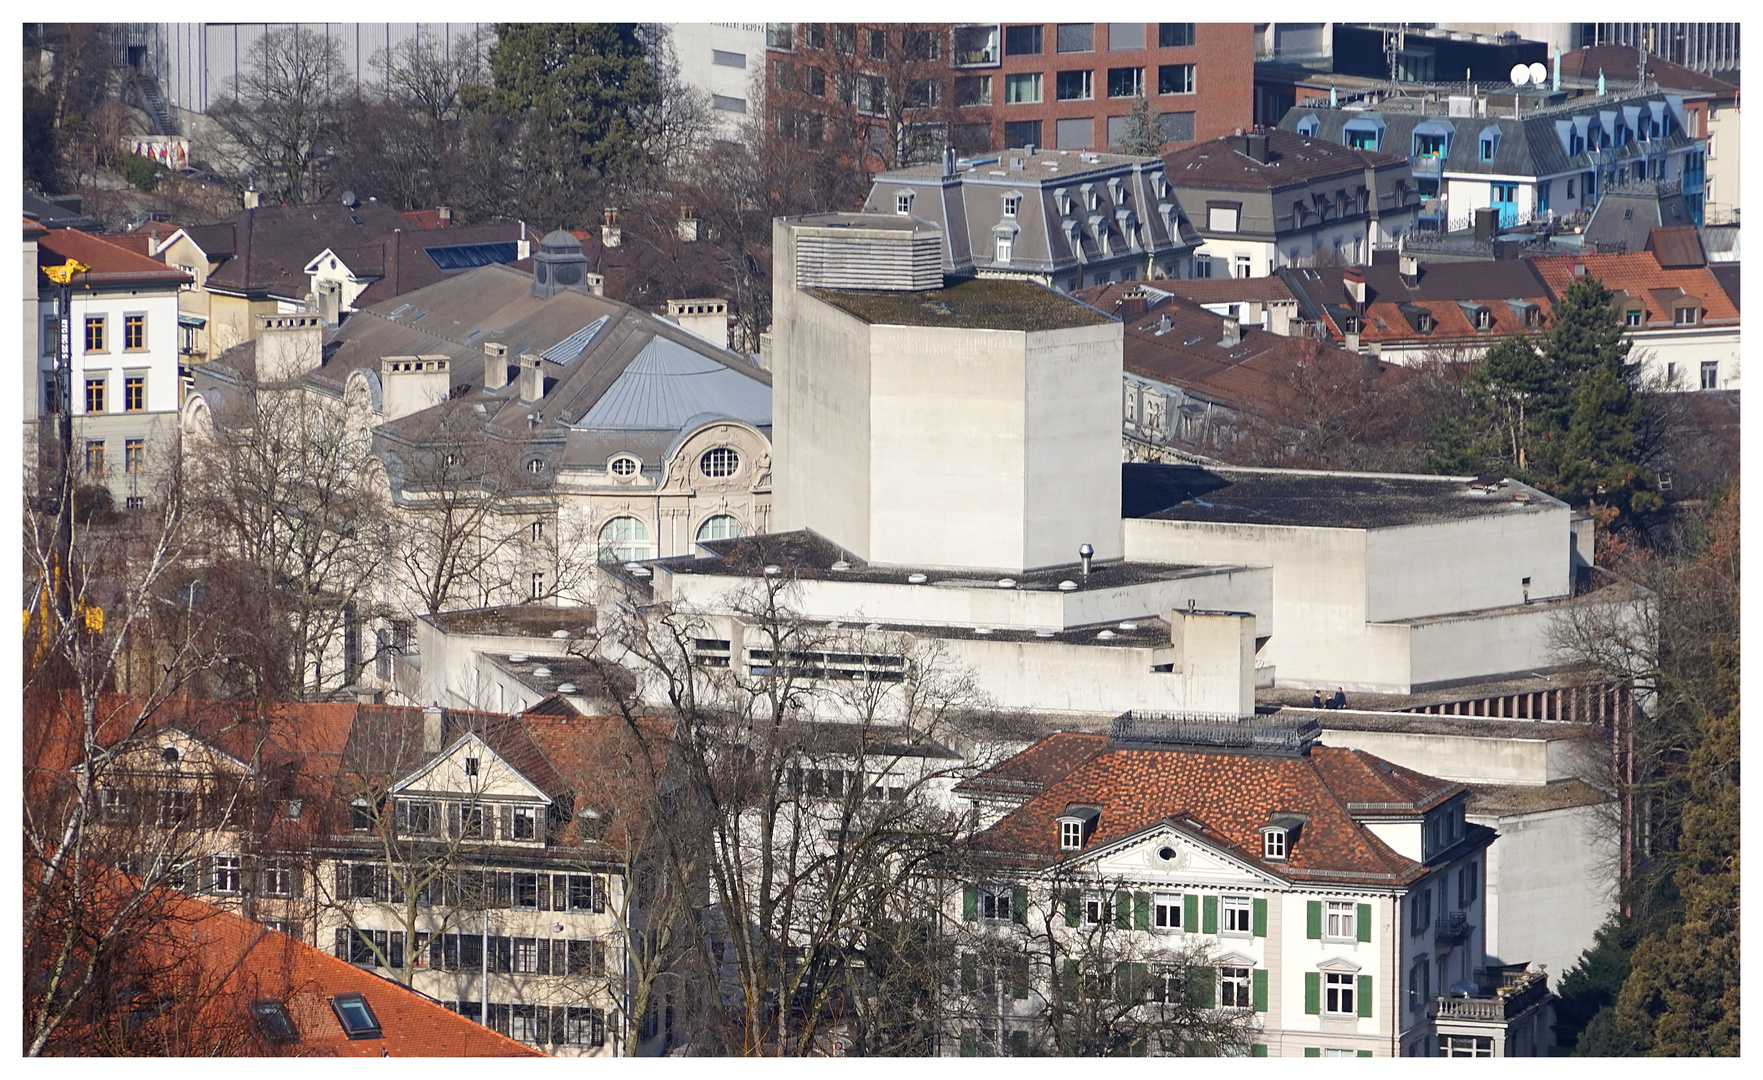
1006	248
1011	204
1340	920
1236	983
1340	993
1071	834
1710	374
903	203
995	903
1098	909
527	814
277	878
1273	844
228	874
1236	915
1166	911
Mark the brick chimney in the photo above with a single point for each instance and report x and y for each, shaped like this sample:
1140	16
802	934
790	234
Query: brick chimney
611	234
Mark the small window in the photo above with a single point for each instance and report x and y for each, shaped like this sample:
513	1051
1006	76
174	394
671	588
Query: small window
1074	85
94	333
1686	316
1233	988
226	874
134	456
526	823
356	1016
94	395
1022	41
1075	37
1468	885
624	466
1166	911
535	466
1342	920
1023	88
1175	78
471	764
274	1022
719	527
1011	203
1175	35
360	816
1236	914
1221	218
537	530
1098	909
1633	316
1273	844
1071	835
134	332
719	462
1710	374
1127	82
1006	248
903	203
1338	989
720	58
995	903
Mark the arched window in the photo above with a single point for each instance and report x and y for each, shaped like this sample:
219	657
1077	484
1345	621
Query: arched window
720	527
719	462
624	539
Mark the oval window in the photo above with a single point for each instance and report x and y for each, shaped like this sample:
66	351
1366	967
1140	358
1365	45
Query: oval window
719	462
624	466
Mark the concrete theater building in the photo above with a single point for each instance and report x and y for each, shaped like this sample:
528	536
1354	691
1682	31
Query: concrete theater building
949	475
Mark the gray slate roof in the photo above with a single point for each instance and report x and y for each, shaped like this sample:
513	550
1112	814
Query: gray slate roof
668	384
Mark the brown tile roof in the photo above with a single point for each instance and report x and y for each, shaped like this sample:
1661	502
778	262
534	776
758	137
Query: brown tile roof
1266	289
1291	159
1639	274
1442	291
1676	247
403	266
245	962
267	248
1622	62
1224	798
111	264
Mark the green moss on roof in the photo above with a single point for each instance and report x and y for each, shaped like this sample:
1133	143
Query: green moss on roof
975	304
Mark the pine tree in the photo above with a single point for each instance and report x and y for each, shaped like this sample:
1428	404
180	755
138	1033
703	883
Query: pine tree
1144	134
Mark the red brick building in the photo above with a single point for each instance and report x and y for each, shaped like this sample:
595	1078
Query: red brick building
983	86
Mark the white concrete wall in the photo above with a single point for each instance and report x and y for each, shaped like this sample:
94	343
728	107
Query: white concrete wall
1468	759
1071	475
1549	886
820	412
1513	641
1487	559
1675	357
694	46
1722	173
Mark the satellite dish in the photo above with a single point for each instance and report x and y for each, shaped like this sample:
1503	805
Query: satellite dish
1520	74
1538	73
350	200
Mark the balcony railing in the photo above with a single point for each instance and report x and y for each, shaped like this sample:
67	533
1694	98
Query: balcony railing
1496	1006
1428	164
1453	928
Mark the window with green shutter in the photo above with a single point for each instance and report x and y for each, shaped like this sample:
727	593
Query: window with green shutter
969	973
970	903
1258	1050
1313	993
1364	995
1122	911
1259	977
1074	908
969	1042
1364	1053
1209	914
1364	922
1019	977
1141	911
1309	1051
1259	918
1202	984
1190	912
1313	920
1019	905
1129	982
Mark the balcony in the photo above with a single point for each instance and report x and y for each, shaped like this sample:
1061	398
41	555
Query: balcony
1518	993
1428	164
1453	929
975	46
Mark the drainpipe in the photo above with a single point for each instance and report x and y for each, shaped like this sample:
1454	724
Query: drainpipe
483	1005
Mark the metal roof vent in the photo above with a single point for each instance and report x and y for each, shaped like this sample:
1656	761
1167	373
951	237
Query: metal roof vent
1006	583
1106	635
560	633
640	571
542	672
1067	585
566	688
1129	626
841	565
873	626
1043	632
833	625
517	658
916	579
982	629
773	570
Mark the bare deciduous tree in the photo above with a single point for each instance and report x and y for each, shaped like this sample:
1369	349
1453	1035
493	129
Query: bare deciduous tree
282	109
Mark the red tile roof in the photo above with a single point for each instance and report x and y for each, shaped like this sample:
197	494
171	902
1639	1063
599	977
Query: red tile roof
1639	274
111	264
244	962
1223	797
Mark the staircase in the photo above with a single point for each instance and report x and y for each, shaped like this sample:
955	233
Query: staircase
147	87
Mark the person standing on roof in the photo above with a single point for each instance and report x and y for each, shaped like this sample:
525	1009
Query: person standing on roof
1339	701
1316	699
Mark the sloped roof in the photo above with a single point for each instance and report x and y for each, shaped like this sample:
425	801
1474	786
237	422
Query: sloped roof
1621	63
266	249
1291	159
246	962
668	384
111	264
1639	274
1225	798
1442	290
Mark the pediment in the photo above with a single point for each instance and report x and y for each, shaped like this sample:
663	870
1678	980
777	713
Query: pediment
1167	852
451	773
172	750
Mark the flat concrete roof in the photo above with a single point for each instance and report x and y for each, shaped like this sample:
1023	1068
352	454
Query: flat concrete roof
806	555
1329	500
518	620
1504	799
1147	632
973	304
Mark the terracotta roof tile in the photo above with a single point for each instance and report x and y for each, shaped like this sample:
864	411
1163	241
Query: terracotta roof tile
1225	797
1639	274
110	263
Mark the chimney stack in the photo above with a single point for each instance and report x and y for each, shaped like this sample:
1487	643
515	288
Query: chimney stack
252	197
1410	270
611	235
688	223
1233	333
532	377
431	729
948	161
495	365
1132	304
1353	280
1352	343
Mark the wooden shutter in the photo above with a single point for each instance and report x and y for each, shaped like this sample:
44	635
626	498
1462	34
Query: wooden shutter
1202	986
969	1042
1258	987
600	890
1122	911
1129	982
1190	912
395	951
342	943
544	886
1071	991
1141	911
1363	922
1313	993
1074	908
1363	1053
1258	1050
1313	920
343	892
1019	905
1019	977
1259	916
1313	1051
505	822
970	903
1364	995
1209	914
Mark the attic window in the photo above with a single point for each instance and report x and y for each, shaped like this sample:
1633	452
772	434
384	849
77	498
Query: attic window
624	466
1075	827
1071	835
1634	316
274	1022
1279	834
1688	316
471	766
903	203
1273	844
356	1016
1425	322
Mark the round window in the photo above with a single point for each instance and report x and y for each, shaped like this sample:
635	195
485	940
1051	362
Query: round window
624	466
719	462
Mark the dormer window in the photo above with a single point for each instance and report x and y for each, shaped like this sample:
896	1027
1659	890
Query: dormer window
1425	322
1279	834
624	465
1076	826
1634	316
1273	844
903	203
1688	316
1011	203
1005	248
